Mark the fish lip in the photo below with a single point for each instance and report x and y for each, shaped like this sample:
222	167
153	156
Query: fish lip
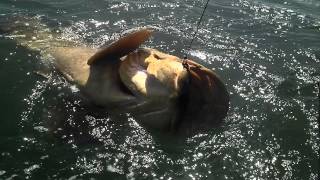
122	85
178	79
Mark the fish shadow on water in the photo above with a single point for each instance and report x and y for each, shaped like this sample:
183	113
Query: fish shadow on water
71	119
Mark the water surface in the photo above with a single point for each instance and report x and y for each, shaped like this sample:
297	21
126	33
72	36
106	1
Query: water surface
267	53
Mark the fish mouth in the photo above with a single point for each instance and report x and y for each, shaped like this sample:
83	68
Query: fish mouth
194	98
151	74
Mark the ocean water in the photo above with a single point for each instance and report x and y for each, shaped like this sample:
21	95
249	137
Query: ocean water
266	51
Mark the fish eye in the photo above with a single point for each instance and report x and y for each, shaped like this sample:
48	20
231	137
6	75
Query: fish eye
156	56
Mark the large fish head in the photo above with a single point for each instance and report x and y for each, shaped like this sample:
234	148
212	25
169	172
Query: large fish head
153	74
174	93
197	94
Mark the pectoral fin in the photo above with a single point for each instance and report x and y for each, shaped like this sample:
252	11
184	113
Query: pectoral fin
122	47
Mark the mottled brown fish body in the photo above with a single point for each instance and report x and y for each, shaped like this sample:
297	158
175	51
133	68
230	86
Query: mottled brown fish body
152	85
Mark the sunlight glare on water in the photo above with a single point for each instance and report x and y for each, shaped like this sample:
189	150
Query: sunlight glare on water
266	52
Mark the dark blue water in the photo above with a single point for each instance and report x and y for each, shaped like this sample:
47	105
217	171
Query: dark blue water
267	53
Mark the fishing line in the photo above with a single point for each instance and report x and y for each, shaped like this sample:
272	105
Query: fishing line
318	102
197	28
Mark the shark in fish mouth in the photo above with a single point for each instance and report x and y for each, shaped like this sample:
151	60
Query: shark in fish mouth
162	91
